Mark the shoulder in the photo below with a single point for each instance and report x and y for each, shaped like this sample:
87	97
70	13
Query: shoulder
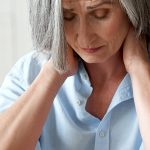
19	79
26	68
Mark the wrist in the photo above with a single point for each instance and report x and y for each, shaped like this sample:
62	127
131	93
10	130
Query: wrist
49	77
51	71
140	70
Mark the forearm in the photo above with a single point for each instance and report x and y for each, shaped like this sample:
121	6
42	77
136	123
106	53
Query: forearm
141	90
21	124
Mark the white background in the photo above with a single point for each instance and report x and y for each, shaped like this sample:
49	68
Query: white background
15	37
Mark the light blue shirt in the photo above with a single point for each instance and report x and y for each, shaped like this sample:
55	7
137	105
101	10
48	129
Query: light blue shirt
69	126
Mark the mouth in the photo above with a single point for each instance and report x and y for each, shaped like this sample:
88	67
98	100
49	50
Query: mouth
92	50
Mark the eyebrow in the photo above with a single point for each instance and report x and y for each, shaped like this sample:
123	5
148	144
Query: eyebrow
108	2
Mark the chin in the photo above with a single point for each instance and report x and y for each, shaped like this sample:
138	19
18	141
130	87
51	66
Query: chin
93	60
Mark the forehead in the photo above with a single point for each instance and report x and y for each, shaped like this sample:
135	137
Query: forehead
77	3
87	1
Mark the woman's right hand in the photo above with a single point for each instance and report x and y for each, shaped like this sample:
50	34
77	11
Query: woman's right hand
71	64
33	107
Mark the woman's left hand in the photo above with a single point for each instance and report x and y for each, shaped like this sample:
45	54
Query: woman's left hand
135	54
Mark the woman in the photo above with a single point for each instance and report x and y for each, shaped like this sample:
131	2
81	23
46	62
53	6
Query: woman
92	94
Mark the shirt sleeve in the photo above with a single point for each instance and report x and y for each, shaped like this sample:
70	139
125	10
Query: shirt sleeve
18	80
12	87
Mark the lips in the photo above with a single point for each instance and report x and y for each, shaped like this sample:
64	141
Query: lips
92	50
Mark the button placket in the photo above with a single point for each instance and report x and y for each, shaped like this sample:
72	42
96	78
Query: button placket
102	134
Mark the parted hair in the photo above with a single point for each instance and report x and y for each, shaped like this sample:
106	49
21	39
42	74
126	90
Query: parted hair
46	20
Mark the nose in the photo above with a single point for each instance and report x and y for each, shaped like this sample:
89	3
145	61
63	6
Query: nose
85	35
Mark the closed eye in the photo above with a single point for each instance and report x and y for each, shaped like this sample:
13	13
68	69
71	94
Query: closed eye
68	15
101	13
98	14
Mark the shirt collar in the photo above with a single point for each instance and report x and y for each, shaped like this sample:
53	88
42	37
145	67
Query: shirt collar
82	72
123	93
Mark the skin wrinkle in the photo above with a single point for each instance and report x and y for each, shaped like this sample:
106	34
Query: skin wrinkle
92	5
90	2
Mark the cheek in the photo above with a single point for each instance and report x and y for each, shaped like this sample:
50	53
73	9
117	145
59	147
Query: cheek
115	32
69	34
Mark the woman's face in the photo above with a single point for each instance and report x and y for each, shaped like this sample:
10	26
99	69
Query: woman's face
95	29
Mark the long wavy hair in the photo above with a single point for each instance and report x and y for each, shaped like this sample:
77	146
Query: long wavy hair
46	19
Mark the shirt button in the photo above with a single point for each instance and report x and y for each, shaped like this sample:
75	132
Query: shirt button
102	133
78	102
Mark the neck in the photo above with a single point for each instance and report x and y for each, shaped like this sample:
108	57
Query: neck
102	73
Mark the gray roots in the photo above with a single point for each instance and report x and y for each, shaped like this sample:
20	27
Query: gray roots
46	19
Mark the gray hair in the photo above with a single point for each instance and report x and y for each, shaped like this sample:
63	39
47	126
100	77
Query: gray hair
46	19
138	12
